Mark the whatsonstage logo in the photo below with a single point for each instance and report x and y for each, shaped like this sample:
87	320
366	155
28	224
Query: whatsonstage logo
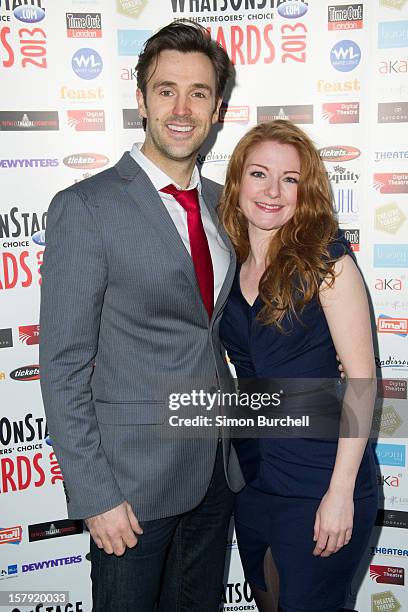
299	113
28	121
54	529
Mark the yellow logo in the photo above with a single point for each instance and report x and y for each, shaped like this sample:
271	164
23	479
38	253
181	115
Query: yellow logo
131	8
389	218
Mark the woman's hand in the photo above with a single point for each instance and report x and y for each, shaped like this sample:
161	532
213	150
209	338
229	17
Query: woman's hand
334	523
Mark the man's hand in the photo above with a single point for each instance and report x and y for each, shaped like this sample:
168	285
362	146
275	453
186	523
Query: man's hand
341	369
115	529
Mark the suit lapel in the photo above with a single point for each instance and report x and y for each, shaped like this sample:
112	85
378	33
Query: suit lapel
150	205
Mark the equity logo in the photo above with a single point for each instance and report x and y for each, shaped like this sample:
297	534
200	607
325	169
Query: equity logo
341	112
340	174
29	334
87	120
87	63
392	325
11	535
345	17
85	160
345	55
299	113
84	25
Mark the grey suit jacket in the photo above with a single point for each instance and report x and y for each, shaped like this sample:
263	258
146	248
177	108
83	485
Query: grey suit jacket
122	324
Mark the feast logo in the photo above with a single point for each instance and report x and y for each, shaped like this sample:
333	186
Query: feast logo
341	112
84	25
87	120
234	114
395	388
29	334
11	535
391	182
386	574
337	87
391	325
345	17
24	373
56	529
85	160
81	95
339	153
302	113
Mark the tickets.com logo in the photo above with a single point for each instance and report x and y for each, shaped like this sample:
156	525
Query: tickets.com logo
81	161
339	153
30	372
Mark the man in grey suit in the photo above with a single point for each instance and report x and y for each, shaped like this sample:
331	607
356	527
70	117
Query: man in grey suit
135	276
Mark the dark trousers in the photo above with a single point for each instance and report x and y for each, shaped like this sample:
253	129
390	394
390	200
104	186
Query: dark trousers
178	562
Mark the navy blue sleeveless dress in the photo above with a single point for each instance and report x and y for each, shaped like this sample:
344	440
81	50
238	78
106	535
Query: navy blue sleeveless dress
286	478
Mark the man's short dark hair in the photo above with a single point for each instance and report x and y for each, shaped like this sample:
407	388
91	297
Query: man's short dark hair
187	37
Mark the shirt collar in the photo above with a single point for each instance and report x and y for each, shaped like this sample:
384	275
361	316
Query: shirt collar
159	178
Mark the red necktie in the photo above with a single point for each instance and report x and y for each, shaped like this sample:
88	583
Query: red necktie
200	251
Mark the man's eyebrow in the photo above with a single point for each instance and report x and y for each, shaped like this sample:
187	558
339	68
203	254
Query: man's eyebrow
266	168
174	84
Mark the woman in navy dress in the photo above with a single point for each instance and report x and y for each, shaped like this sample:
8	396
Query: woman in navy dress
304	518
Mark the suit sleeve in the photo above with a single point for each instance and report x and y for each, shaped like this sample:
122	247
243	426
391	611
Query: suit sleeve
74	279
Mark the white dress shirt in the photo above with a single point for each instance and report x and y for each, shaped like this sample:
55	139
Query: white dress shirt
219	253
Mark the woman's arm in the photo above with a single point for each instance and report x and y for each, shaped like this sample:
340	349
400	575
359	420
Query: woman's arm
345	306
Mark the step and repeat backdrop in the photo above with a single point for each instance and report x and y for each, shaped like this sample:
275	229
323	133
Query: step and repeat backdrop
68	110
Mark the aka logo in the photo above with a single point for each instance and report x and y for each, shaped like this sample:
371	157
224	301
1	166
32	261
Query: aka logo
388	284
87	63
345	55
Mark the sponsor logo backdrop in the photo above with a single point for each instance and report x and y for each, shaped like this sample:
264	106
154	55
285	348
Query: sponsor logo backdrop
68	110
